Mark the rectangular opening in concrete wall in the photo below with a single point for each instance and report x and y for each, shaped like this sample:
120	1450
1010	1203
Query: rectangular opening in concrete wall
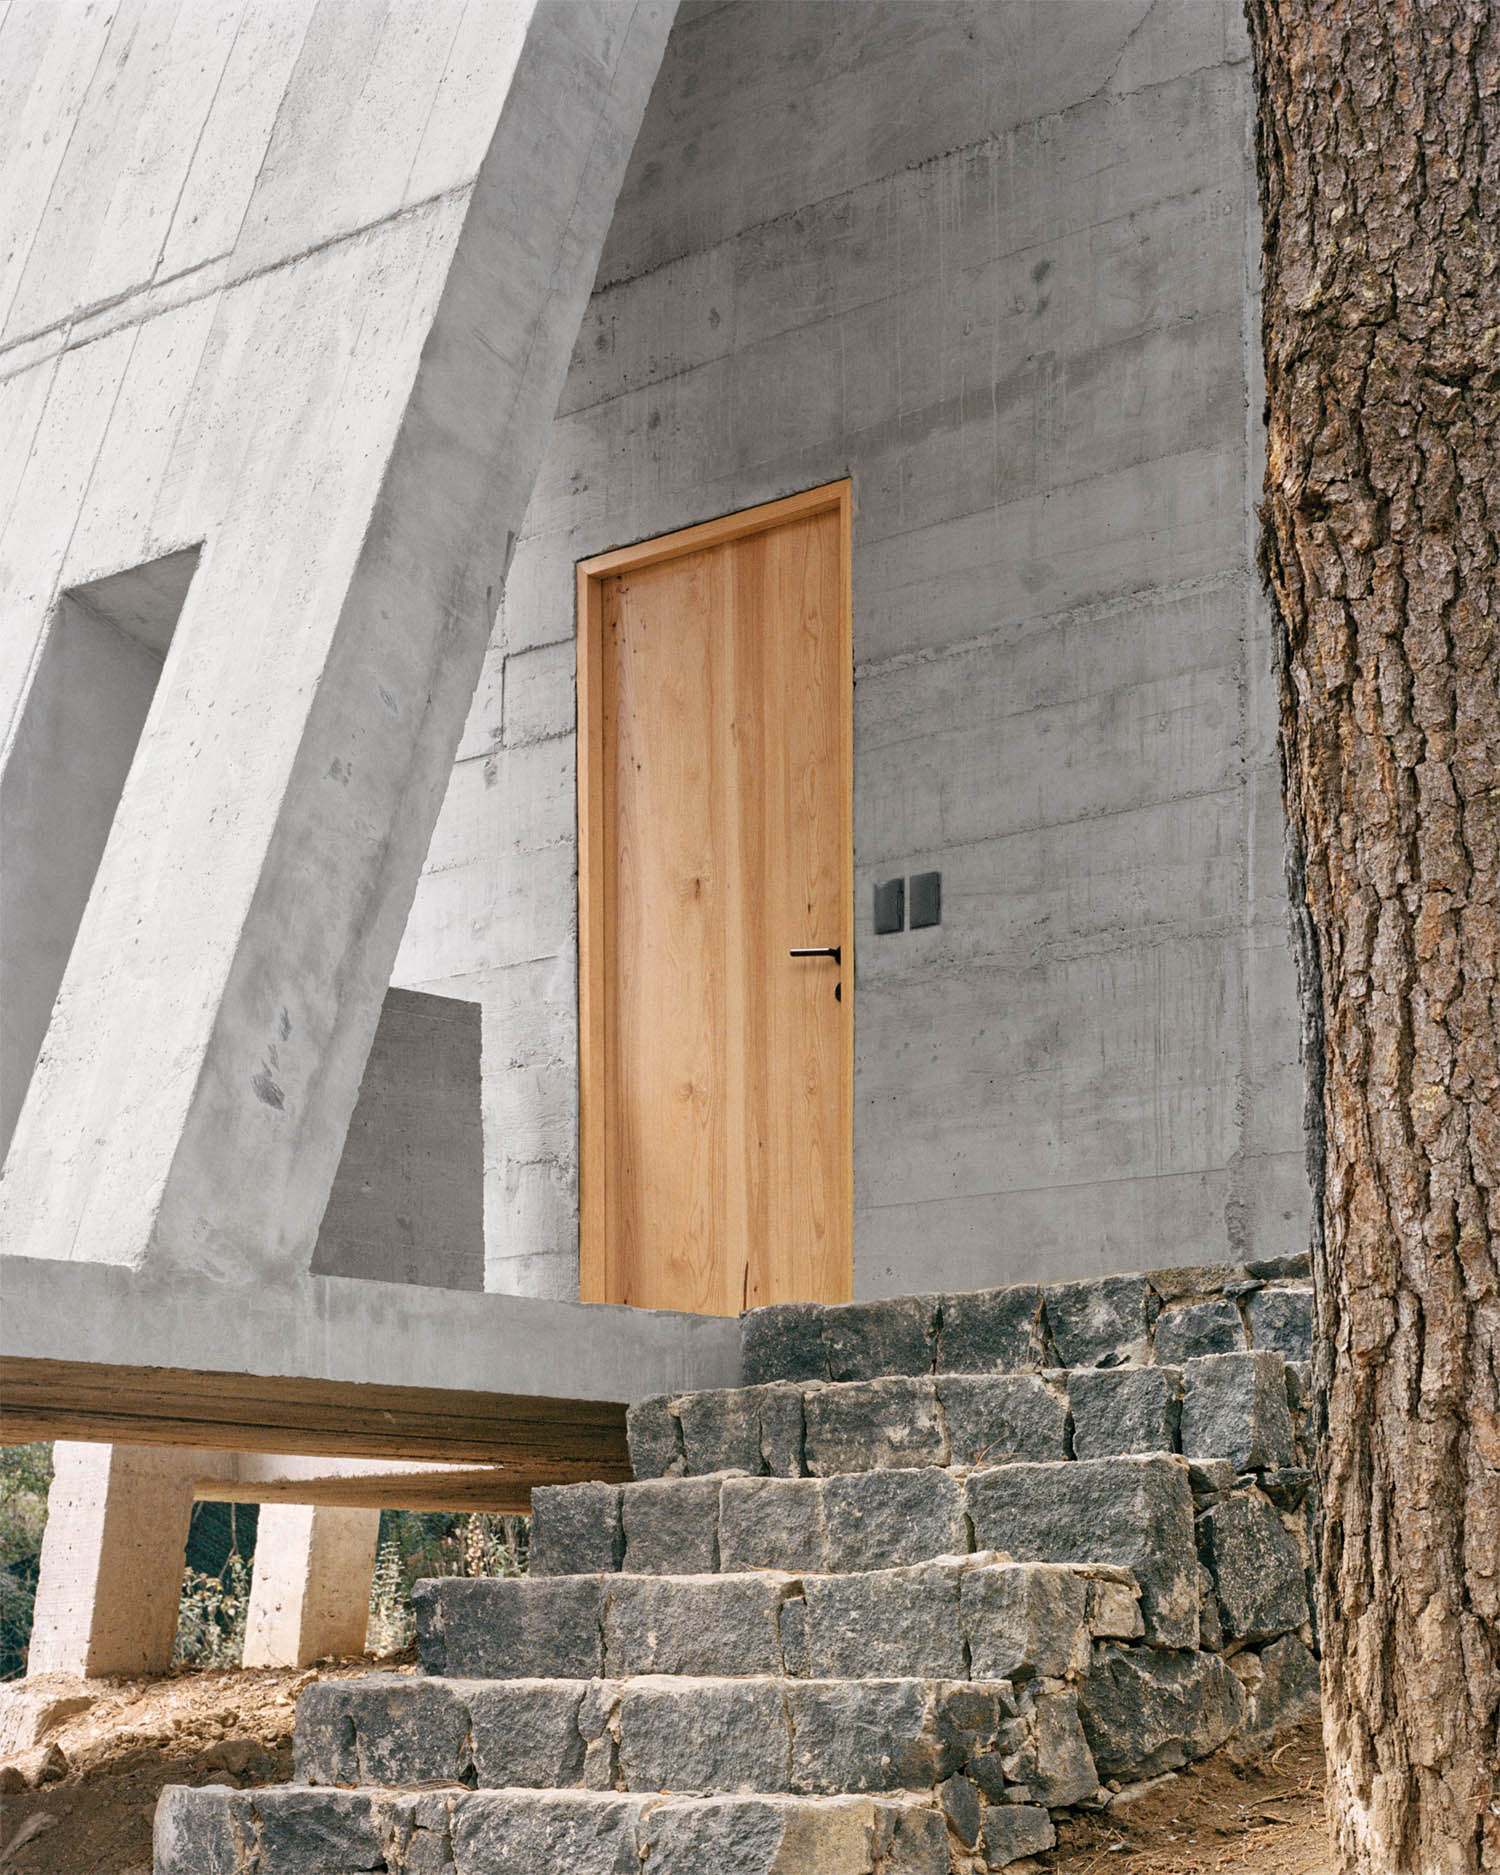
77	736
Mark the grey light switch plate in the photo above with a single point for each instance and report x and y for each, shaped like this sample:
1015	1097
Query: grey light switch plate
926	899
890	907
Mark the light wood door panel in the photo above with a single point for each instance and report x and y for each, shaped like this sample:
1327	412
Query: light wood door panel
715	694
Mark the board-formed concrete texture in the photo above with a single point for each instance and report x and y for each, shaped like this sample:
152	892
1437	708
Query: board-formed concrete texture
296	287
407	1203
998	263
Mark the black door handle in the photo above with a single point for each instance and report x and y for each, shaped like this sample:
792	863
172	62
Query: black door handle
834	951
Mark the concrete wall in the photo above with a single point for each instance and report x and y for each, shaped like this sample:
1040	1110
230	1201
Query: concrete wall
996	261
297	282
407	1204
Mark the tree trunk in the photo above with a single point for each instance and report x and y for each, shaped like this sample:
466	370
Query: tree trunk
1379	155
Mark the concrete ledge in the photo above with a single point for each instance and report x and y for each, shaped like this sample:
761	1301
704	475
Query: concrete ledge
331	1365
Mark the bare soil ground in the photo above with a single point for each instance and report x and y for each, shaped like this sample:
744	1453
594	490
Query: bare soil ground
1261	1819
235	1727
228	1726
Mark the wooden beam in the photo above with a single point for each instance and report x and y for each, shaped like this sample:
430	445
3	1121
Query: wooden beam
488	1488
536	1440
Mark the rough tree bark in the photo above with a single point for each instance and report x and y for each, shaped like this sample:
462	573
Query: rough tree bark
1379	154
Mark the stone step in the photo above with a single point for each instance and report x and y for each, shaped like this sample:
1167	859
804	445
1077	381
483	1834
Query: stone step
294	1830
966	1617
1164	1315
1235	1406
1135	1513
1021	1743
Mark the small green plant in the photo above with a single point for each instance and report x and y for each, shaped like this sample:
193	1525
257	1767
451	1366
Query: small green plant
392	1625
414	1544
211	1616
25	1474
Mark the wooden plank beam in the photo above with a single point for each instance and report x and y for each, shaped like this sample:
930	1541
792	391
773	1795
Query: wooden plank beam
488	1488
536	1440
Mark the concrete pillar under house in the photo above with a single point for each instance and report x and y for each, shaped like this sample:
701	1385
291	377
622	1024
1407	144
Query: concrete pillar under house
112	1559
310	1594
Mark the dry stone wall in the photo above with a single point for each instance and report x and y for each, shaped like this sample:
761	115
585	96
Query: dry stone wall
945	1568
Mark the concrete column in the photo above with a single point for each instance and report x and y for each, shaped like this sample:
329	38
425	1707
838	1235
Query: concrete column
349	415
310	1595
112	1558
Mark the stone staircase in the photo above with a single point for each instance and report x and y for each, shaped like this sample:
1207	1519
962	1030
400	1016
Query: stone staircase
942	1567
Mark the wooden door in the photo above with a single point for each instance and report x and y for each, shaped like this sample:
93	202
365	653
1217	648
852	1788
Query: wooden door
715	700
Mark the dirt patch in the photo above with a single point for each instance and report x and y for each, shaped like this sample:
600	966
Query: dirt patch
1263	1819
218	1727
236	1728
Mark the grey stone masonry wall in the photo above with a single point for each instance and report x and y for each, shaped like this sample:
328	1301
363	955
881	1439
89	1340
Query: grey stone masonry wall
1164	1317
947	1567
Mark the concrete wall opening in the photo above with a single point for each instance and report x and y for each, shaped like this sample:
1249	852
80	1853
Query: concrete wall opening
75	741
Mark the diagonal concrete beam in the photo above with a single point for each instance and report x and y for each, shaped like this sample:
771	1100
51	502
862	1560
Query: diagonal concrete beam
355	448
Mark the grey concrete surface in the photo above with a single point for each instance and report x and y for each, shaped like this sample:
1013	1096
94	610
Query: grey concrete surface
299	285
345	1329
998	263
407	1204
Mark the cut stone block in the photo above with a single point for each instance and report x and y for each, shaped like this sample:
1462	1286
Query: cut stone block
995	1419
1210	1627
525	1734
788	1836
1124	1409
897	1734
783	1342
708	1625
317	1829
1145	1711
1136	1513
1011	1831
772	1523
1281	1690
1024	1621
869	1340
782	1432
1276	1269
1100	1324
1115	1608
1234	1407
880	1520
885	1624
654	1434
725	1735
575	1530
1283	1320
963	1809
383	1728
1258	1571
873	1425
1054	1765
511	1628
506	1833
671	1526
1186	1334
198	1832
990	1331
721	1430
1195	1280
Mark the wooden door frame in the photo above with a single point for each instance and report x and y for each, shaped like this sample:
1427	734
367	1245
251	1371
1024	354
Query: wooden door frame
593	886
